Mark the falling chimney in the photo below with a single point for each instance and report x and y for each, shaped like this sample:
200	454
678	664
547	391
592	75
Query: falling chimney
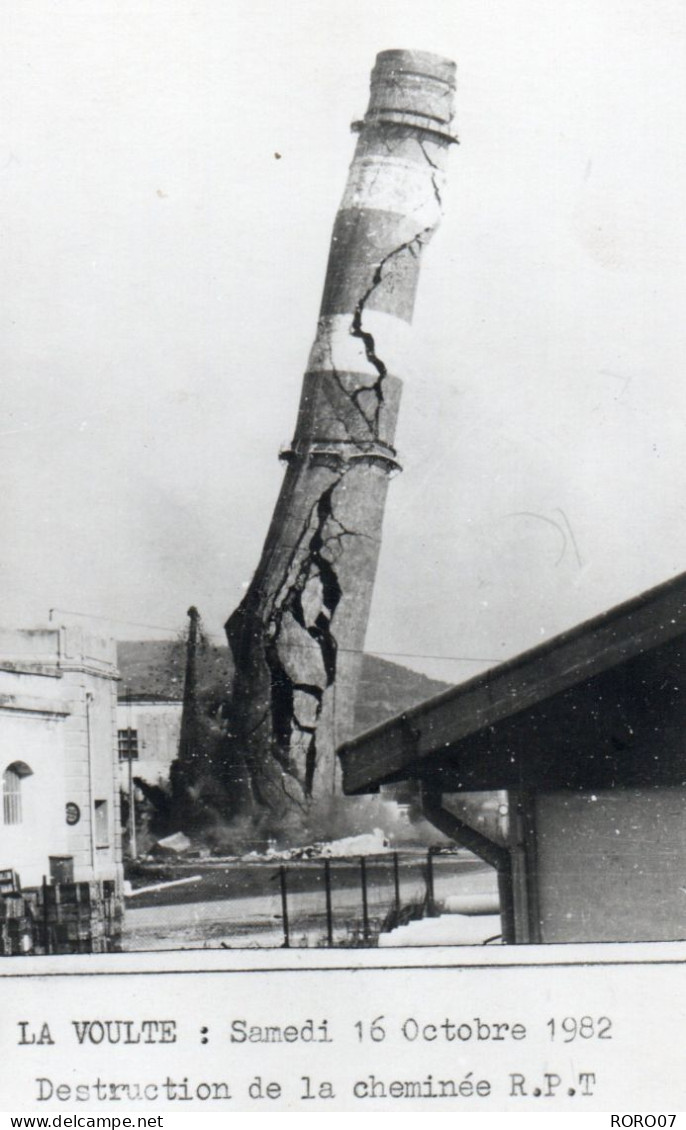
297	636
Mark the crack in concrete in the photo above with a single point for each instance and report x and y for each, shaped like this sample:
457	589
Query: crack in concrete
351	396
437	191
314	566
293	724
367	338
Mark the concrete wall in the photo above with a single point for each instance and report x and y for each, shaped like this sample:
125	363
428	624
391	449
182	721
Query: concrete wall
58	717
609	865
157	726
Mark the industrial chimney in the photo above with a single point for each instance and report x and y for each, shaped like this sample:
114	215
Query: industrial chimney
298	634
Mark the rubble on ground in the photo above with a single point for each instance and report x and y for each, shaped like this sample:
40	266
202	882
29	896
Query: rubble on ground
176	844
369	843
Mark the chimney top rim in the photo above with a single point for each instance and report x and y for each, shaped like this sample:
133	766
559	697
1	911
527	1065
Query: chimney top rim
427	63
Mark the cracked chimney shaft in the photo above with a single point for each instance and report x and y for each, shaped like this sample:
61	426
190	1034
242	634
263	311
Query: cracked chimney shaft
297	637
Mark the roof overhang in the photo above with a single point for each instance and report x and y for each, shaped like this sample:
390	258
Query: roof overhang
581	710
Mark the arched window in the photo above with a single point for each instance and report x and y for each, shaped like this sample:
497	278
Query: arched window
11	791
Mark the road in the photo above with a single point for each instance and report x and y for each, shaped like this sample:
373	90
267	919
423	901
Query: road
239	904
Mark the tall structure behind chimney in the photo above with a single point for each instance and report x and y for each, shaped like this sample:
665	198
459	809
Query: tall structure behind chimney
298	634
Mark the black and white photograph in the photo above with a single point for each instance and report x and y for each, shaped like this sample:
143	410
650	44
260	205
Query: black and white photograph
343	601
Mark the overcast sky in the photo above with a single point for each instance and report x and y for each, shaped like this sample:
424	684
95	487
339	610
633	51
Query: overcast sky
162	270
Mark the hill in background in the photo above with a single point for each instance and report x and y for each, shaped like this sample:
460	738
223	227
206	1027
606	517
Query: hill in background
155	669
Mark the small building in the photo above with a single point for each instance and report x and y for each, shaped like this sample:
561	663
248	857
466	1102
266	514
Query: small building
58	756
150	706
147	738
587	733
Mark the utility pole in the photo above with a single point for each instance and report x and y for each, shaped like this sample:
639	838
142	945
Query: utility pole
297	636
133	845
128	750
188	738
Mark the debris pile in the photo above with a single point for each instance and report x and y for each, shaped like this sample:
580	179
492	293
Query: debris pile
370	843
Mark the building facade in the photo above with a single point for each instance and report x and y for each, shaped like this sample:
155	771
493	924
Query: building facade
58	756
147	738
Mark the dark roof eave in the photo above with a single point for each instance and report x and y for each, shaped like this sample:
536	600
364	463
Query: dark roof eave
575	656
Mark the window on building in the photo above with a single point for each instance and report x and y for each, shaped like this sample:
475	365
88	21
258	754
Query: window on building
11	791
128	744
102	830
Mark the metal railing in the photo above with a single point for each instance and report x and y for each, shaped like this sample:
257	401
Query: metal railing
304	902
380	896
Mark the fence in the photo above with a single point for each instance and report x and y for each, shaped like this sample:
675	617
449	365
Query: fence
263	903
349	902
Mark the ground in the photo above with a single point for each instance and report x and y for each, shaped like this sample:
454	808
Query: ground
239	904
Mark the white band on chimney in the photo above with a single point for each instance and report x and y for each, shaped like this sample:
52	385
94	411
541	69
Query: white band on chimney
336	349
387	184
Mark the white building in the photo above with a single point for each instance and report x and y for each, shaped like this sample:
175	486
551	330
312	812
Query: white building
58	756
148	735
